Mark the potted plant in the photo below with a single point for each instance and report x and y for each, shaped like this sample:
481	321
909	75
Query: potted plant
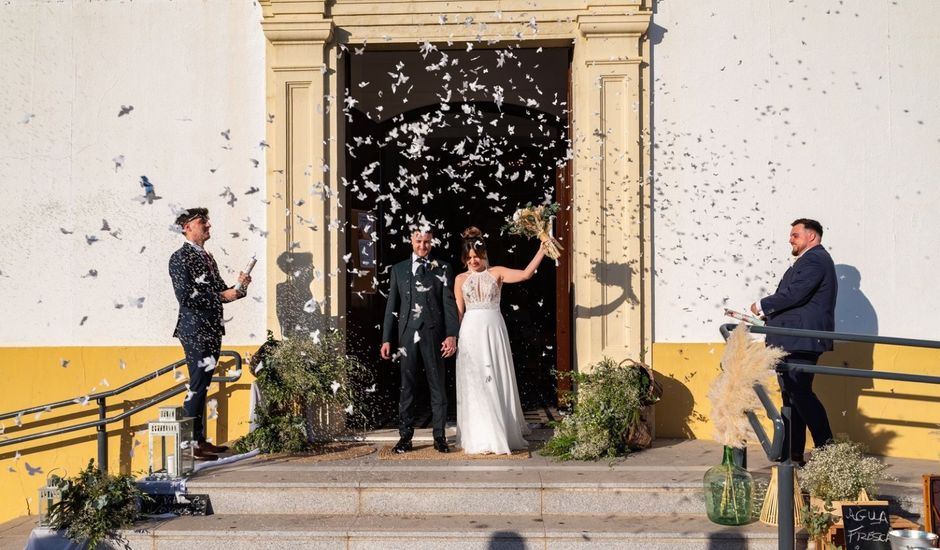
95	506
840	473
302	375
817	522
610	414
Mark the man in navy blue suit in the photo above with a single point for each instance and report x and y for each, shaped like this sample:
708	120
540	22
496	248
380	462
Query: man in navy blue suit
805	299
200	292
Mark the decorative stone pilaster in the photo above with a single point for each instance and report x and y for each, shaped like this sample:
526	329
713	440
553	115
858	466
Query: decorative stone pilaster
610	213
305	208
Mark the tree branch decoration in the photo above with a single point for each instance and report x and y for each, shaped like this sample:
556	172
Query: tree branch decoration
745	362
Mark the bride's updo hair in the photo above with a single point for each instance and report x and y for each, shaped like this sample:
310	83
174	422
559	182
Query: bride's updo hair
472	240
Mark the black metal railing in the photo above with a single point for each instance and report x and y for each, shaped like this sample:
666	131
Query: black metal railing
773	447
101	425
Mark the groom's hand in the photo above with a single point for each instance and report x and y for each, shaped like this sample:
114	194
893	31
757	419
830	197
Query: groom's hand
386	351
449	347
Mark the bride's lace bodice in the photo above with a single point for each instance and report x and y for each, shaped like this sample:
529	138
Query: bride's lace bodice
480	291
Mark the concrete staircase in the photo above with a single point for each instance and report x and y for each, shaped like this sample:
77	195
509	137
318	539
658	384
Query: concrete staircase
651	500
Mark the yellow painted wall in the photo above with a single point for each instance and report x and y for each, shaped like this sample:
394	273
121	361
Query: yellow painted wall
899	419
34	376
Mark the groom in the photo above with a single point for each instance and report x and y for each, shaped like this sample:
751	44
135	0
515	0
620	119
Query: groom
421	320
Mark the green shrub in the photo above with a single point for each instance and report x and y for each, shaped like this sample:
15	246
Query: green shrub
95	505
607	408
298	373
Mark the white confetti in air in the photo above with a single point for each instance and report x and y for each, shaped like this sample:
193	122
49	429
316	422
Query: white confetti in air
311	306
514	307
207	363
417	337
417	311
213	407
18	420
334	386
349	409
372	389
122	364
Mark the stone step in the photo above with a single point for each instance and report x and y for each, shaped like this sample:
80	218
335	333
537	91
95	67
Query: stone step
458	531
442	491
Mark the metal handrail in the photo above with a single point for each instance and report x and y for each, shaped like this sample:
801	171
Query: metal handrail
101	399
774	448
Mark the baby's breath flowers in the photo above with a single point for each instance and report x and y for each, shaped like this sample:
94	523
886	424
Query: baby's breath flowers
840	471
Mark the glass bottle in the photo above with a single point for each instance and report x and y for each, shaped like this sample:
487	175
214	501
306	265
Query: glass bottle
729	492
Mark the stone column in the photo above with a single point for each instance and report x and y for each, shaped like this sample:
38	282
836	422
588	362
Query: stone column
305	209
610	211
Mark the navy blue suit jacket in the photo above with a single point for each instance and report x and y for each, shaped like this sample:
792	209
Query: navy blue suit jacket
442	307
197	284
805	298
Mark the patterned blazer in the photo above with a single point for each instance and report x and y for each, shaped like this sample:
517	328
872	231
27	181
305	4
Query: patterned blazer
197	284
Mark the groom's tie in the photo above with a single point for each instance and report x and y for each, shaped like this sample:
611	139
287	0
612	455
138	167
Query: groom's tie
422	267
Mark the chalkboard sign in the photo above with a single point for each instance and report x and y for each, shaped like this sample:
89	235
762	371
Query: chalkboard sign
866	527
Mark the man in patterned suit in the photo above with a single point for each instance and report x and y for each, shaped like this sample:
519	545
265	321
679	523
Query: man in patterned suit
805	299
200	292
421	322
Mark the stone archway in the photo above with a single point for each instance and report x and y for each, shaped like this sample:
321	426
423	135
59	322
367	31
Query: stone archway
610	211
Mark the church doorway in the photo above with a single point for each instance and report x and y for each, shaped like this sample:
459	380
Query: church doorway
453	138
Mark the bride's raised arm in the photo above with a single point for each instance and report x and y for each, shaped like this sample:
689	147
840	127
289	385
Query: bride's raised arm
458	295
508	275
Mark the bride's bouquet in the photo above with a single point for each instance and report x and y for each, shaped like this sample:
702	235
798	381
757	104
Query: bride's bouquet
536	221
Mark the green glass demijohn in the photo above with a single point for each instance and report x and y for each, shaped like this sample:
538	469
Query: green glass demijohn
729	492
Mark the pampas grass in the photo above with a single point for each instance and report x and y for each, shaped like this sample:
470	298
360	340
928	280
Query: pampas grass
746	362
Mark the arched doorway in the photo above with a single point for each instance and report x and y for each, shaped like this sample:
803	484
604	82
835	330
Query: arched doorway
457	150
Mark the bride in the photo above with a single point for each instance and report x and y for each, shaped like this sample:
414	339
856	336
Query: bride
489	413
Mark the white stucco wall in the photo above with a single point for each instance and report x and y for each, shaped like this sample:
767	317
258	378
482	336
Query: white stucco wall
190	70
768	111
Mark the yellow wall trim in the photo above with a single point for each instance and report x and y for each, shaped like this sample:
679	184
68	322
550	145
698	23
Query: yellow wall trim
897	419
35	376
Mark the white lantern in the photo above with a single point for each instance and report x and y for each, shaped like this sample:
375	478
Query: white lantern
48	495
178	430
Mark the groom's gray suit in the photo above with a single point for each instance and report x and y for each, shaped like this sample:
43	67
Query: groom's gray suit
421	303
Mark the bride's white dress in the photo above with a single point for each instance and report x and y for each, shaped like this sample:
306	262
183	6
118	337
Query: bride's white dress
489	413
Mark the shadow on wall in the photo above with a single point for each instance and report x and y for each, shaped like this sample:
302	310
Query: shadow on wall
840	395
679	401
854	311
616	275
297	310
